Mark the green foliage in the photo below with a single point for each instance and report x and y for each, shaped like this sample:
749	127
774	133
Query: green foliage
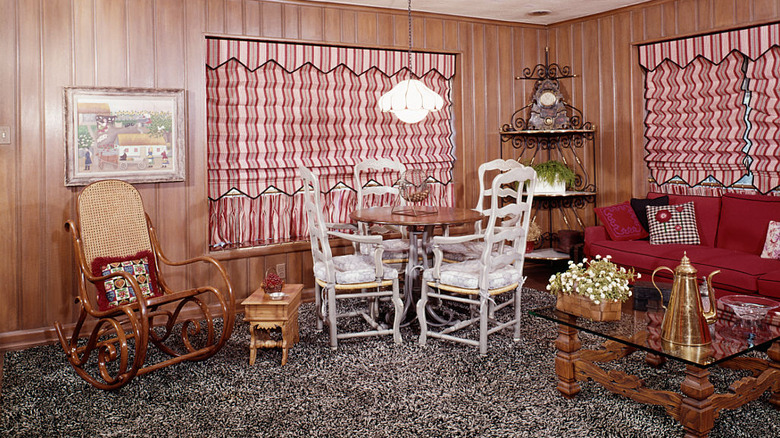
160	124
85	139
552	171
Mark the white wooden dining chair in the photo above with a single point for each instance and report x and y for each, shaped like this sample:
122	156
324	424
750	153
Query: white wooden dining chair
486	172
372	192
355	276
498	270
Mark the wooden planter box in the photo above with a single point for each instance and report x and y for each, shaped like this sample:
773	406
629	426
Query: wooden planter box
581	306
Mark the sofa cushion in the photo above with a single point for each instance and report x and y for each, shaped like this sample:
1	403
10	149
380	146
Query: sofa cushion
772	242
672	224
740	272
744	220
621	222
707	213
640	208
769	284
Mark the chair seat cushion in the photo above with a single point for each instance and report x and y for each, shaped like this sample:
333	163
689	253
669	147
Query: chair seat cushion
353	269
394	249
471	250
117	291
466	275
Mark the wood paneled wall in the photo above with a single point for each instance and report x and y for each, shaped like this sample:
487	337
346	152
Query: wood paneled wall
50	44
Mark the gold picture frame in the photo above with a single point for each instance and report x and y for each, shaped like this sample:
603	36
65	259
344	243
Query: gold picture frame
131	134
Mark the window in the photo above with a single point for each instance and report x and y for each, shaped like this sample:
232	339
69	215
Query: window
712	110
274	106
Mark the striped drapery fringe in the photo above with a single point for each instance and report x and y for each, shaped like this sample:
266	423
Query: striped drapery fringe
272	107
712	110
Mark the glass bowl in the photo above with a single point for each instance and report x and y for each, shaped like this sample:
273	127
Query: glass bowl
276	295
750	308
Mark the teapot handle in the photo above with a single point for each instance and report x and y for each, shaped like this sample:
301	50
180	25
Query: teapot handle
652	278
712	315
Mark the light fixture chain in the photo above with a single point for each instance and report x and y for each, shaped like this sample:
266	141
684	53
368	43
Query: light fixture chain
410	36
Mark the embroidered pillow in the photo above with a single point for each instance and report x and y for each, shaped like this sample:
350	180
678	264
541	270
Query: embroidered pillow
772	243
640	208
117	291
673	224
621	222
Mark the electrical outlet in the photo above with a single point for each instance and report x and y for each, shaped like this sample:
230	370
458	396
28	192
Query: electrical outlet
281	271
5	135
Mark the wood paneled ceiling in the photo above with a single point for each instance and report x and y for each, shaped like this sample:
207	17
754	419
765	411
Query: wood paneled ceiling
541	12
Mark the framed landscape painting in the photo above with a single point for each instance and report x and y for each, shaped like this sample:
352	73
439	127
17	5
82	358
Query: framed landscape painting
132	134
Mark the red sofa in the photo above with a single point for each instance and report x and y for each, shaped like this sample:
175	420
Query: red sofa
732	230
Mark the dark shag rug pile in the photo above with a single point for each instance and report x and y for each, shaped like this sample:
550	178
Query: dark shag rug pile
369	387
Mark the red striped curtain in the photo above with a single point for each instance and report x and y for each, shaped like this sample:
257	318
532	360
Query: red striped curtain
699	92
764	117
274	106
694	121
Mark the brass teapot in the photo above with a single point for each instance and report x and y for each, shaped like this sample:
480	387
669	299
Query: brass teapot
685	321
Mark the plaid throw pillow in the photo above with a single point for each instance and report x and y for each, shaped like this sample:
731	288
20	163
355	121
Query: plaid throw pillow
117	291
673	224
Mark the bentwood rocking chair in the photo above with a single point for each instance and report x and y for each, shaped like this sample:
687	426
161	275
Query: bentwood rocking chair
355	276
118	255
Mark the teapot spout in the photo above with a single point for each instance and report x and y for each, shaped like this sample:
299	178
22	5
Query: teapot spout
711	315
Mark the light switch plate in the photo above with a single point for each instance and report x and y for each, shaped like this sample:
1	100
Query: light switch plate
5	135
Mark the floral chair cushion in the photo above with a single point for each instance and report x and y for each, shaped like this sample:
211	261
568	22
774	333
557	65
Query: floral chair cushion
460	252
352	269
395	249
466	275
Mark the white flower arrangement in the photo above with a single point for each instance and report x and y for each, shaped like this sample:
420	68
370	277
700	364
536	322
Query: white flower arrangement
598	279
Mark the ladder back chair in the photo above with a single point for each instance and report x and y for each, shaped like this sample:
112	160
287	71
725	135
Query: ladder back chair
371	192
124	301
355	276
499	268
486	172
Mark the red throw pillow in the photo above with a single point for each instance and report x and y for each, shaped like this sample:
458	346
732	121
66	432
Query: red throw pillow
116	291
621	222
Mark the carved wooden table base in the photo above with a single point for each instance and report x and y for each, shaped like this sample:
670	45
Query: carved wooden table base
696	408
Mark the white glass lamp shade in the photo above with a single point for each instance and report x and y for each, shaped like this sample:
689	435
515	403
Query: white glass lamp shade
410	101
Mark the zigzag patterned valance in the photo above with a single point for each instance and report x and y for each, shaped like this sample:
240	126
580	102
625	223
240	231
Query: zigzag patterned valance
292	56
751	42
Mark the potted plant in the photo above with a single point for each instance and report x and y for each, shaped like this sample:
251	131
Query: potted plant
593	288
552	177
534	233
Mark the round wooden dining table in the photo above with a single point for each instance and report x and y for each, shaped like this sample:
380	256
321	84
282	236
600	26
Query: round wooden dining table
420	224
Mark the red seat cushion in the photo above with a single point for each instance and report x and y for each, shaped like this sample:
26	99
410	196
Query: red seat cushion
740	272
744	220
769	284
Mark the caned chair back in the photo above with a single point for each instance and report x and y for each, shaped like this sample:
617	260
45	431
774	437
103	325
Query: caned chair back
112	221
371	182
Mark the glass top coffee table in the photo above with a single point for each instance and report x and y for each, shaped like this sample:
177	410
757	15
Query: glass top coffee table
697	407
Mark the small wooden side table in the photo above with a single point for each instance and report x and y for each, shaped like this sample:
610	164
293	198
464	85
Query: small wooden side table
263	314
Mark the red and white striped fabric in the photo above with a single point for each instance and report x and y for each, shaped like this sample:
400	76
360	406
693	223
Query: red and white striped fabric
764	117
274	106
751	42
695	121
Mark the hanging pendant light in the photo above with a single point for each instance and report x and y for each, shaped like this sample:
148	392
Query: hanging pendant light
410	100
